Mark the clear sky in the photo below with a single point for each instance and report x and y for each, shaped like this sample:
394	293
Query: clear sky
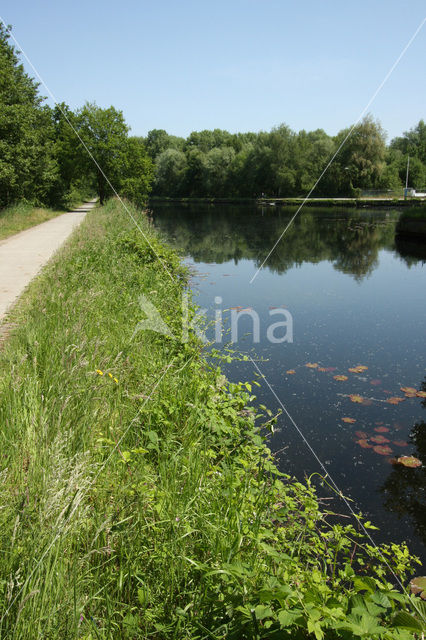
240	65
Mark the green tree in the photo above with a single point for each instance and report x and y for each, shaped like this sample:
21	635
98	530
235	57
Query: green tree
361	160
104	133
138	171
170	174
412	142
27	165
217	171
158	140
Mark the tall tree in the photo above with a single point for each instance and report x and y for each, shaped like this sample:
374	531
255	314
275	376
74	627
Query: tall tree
104	132
362	157
138	171
27	164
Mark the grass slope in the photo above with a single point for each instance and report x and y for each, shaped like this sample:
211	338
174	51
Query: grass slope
137	497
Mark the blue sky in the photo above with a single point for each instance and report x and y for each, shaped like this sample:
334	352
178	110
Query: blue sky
241	65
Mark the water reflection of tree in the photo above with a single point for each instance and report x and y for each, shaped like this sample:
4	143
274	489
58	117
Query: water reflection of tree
350	240
410	251
405	488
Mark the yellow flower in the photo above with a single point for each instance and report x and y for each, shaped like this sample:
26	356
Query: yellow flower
115	380
101	373
110	375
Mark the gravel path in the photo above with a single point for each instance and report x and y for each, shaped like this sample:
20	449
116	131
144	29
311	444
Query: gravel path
23	255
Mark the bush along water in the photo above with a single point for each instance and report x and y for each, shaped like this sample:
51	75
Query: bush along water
138	496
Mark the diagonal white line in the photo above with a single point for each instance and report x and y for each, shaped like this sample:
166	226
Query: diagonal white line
21	50
330	162
101	468
327	474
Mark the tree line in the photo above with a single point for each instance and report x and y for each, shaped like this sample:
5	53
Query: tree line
284	163
56	156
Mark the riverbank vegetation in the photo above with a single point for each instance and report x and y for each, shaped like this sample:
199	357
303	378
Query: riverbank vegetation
283	163
138	496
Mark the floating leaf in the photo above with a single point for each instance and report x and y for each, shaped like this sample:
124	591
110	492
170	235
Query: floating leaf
340	378
379	439
381	429
409	461
408	389
356	398
411	395
358	369
349	420
361	434
291	372
395	400
375	382
322	369
400	443
311	365
383	450
364	443
421	394
418	585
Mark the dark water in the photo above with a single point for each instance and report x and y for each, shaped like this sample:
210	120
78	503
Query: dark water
356	297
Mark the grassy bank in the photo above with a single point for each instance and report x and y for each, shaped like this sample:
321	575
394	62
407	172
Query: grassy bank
22	216
138	499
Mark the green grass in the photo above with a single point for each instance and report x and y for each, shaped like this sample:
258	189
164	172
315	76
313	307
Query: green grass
137	496
21	216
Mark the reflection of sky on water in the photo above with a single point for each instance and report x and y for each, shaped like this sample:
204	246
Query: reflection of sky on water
354	300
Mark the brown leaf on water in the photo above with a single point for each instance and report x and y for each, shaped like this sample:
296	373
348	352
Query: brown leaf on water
409	461
383	450
322	369
379	439
400	443
361	434
349	420
340	378
381	429
395	400
356	398
311	365
409	389
364	444
421	394
375	382
358	369
291	372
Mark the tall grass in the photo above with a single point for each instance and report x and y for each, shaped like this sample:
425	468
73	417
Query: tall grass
137	497
21	216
